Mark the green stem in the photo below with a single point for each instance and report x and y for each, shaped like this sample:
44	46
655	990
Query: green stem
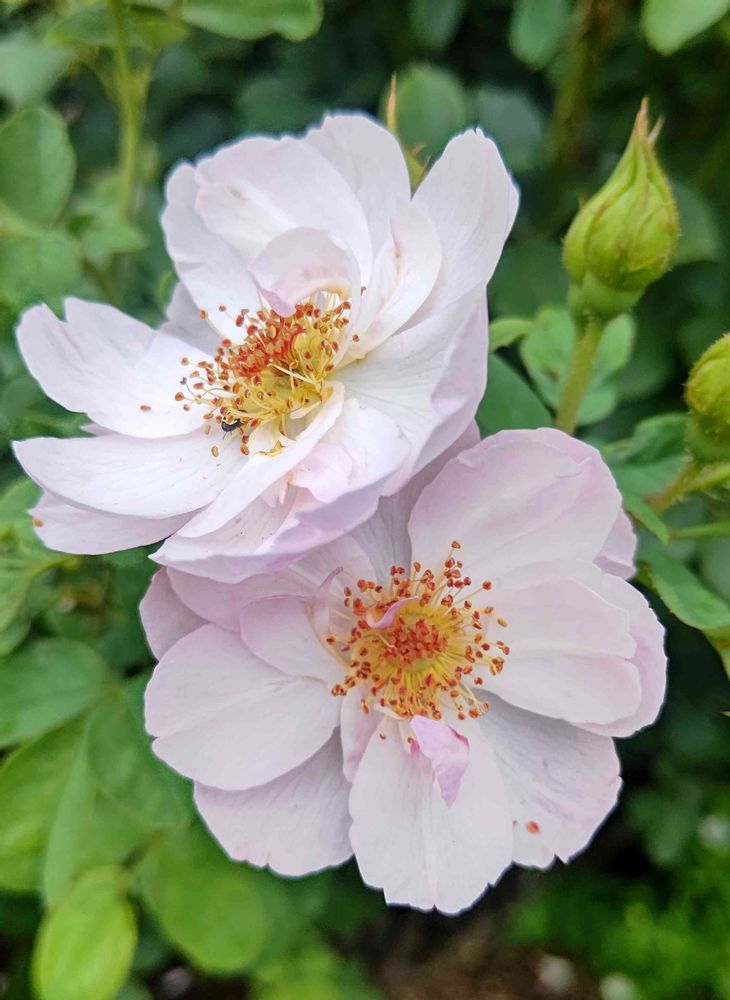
579	374
711	529
675	491
693	477
130	108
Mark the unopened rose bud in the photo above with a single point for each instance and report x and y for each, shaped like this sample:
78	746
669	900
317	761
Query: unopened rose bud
708	398
625	236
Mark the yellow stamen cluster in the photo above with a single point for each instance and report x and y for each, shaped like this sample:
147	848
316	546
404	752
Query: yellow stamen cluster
276	374
419	646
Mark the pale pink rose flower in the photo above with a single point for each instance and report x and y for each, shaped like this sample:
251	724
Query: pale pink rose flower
436	692
331	332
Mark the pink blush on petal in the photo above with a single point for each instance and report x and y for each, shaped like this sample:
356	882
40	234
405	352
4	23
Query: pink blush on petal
447	752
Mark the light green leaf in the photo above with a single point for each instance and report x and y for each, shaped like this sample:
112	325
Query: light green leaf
669	24
47	267
294	19
208	906
547	351
431	108
684	593
29	69
434	22
85	946
48	683
509	402
507	330
125	767
32	781
537	30
37	165
515	122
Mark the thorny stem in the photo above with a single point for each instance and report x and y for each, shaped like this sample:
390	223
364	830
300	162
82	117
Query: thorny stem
130	105
693	477
579	374
594	24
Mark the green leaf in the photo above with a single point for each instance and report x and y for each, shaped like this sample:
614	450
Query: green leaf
669	24
507	330
509	402
37	165
15	501
32	781
207	906
644	514
515	122
48	683
48	267
434	22
85	946
651	458
537	29
547	351
87	829
431	108
29	69
317	973
699	232
95	28
133	989
294	19
684	593
125	766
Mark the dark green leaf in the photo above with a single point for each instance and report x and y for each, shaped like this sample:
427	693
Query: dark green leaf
85	946
37	165
509	291
208	906
699	234
509	402
49	682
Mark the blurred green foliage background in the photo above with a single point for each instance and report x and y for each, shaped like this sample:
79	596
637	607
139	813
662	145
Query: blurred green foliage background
108	885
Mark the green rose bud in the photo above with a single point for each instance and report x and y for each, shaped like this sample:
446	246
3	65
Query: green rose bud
708	398
625	236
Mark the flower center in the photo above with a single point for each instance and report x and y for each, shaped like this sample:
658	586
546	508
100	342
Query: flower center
275	375
420	645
